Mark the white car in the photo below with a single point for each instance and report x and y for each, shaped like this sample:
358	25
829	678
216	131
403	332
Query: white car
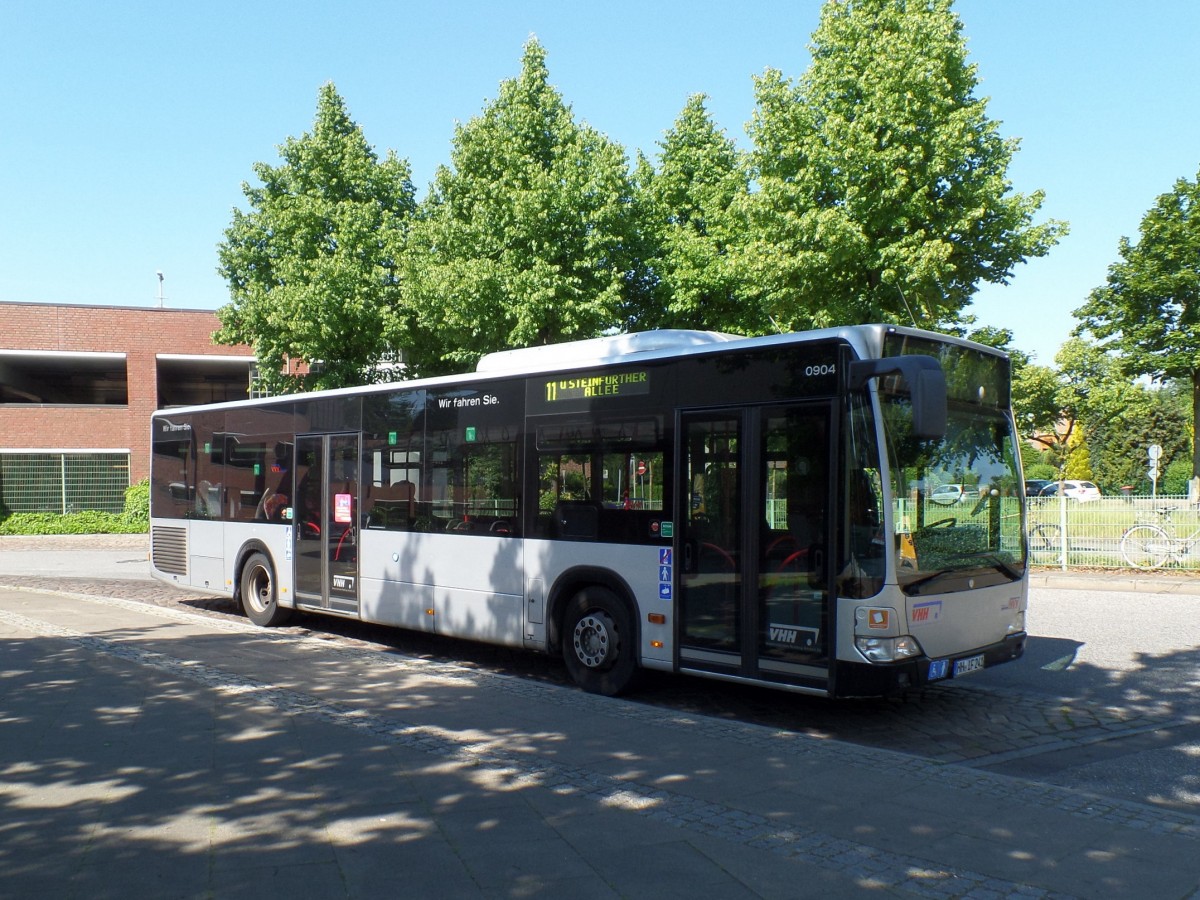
1083	491
946	494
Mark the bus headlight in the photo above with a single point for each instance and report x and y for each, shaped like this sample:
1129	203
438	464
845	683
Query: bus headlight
887	649
1017	626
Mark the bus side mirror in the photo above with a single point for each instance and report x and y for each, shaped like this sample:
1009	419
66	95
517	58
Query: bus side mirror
926	382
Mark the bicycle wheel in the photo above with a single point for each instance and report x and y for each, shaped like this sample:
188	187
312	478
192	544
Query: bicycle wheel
1045	543
1146	546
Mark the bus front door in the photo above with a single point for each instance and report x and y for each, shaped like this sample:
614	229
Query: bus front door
754	528
326	522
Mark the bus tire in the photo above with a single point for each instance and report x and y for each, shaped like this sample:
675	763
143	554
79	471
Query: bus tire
599	644
260	599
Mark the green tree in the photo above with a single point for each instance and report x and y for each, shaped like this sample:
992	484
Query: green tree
1038	409
1118	442
882	184
1149	308
1113	417
1056	405
311	267
529	237
1079	462
1175	476
690	204
1092	391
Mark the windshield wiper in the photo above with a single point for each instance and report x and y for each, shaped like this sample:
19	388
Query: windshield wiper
915	586
1000	564
990	560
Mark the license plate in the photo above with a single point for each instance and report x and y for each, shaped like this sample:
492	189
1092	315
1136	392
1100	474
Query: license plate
970	664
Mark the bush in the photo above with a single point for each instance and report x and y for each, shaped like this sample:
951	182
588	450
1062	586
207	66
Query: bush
1042	471
1176	477
134	519
87	522
136	514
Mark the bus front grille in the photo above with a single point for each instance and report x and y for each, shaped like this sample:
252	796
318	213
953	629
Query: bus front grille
169	550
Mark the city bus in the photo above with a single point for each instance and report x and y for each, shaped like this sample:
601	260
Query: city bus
760	510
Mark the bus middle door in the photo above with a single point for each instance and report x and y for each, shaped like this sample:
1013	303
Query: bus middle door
326	522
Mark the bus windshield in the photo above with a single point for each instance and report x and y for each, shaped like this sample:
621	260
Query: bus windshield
957	499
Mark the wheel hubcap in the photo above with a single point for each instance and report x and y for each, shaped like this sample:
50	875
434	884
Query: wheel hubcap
261	588
595	640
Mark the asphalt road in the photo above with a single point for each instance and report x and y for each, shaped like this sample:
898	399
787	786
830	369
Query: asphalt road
1135	653
113	557
1106	700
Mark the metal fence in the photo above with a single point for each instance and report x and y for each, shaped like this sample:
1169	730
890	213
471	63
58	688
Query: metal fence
63	482
1115	532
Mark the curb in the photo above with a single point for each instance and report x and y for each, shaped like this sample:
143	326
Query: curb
1091	581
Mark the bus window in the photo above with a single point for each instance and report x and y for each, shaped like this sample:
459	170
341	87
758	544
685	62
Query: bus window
258	476
391	489
600	480
565	505
471	461
208	431
473	483
173	480
861	569
391	482
565	478
633	480
258	464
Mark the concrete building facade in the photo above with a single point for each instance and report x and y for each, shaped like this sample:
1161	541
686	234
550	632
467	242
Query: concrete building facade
78	384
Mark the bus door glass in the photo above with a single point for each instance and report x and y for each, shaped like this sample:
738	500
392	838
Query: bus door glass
754	531
793	553
325	521
710	542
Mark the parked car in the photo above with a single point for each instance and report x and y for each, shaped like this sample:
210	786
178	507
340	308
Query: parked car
1083	491
946	494
1034	486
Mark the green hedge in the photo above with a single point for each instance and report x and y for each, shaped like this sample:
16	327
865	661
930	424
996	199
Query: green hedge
134	519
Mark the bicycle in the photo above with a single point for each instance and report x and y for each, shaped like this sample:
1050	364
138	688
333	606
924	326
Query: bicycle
1045	542
1150	546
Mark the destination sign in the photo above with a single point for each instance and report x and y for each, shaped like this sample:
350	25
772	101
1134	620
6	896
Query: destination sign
588	387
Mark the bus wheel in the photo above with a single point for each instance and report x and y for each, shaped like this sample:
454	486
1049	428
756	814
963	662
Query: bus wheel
259	599
598	642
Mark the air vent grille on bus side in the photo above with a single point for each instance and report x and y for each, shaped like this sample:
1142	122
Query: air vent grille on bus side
170	550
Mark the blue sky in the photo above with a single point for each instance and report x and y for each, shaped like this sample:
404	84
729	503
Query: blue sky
128	127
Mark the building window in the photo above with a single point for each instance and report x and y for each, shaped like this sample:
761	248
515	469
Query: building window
193	379
53	378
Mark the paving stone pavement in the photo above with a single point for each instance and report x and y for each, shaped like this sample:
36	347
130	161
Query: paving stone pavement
306	755
205	757
952	724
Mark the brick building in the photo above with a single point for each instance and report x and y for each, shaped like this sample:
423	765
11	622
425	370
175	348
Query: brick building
78	384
